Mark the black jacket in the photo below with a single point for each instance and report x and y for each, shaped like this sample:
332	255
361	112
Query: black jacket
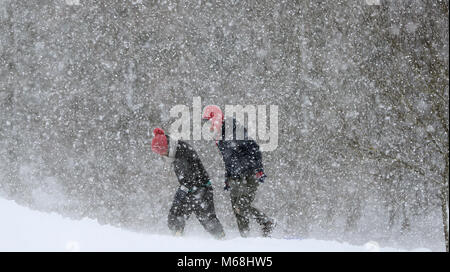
188	167
241	157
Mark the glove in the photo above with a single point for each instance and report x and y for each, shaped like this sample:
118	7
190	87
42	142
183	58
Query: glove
200	193
181	194
260	176
227	185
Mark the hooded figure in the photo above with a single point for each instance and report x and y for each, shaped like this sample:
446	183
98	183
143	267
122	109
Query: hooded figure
195	193
244	171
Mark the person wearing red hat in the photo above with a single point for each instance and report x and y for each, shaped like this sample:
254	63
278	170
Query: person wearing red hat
243	172
195	194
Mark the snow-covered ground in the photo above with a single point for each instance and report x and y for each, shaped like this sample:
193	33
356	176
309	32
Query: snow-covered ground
23	229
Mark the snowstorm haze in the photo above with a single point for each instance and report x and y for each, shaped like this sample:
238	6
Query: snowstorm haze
362	89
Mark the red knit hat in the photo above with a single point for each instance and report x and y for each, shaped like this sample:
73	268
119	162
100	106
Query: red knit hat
215	115
159	142
212	111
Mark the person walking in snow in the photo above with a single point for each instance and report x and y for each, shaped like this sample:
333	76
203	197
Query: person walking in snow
195	193
243	172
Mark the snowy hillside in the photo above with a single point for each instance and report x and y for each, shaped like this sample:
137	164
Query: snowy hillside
23	229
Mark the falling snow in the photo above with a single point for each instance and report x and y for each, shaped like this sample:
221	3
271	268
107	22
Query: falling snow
362	89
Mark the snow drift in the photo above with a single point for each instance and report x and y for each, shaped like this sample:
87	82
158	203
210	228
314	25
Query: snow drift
23	229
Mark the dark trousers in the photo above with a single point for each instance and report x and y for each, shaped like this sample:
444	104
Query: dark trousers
243	192
201	203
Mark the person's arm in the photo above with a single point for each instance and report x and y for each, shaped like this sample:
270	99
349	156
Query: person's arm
253	154
182	158
223	148
200	170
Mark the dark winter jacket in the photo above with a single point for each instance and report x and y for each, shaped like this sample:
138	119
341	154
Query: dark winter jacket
188	167
241	157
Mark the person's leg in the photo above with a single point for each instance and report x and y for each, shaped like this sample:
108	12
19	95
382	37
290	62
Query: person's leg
266	223
178	214
241	198
205	211
243	192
